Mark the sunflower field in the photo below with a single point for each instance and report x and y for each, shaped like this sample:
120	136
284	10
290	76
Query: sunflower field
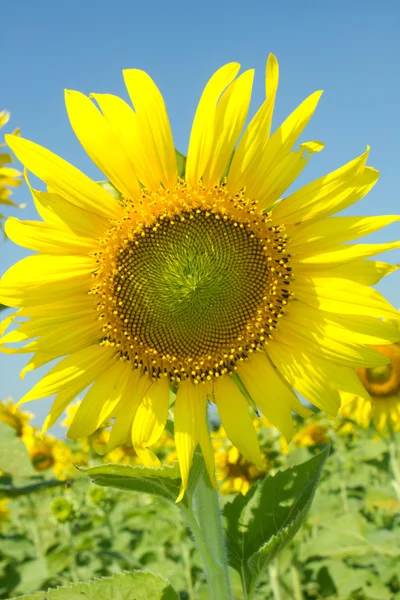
58	529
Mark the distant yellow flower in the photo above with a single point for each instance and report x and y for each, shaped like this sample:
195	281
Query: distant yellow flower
16	418
71	411
233	470
383	385
311	435
47	452
8	177
4	511
206	281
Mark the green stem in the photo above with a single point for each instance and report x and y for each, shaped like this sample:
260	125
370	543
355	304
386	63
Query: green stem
274	581
204	519
296	583
394	463
188	571
37	542
249	593
73	567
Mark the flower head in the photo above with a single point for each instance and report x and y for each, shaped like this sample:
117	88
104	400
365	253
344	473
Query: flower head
204	282
382	383
15	418
9	177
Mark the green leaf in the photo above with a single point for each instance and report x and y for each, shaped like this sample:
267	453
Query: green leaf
139	585
161	481
14	457
32	575
12	488
180	163
260	524
38	596
106	185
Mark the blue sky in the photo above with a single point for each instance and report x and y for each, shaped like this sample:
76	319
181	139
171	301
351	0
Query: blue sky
349	49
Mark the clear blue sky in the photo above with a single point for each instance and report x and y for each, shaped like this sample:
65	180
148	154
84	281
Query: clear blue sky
348	48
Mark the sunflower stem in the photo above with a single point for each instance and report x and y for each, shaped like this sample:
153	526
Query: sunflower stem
394	462
204	519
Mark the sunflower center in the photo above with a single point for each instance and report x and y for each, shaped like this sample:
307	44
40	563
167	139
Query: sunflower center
384	380
194	281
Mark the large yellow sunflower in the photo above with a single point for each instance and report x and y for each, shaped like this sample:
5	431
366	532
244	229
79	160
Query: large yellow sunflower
382	407
9	177
204	283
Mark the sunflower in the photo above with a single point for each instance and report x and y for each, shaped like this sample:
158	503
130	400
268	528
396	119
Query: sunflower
17	419
203	282
8	177
311	435
47	452
232	469
382	407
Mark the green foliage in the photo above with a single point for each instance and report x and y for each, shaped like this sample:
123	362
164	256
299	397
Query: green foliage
163	481
12	487
261	523
14	457
347	549
138	585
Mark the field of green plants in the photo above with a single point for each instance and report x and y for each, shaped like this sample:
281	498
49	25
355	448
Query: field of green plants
55	532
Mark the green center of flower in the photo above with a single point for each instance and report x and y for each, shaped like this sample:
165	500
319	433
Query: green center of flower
379	374
192	283
383	381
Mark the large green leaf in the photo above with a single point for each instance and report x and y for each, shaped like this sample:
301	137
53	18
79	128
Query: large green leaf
261	523
139	585
14	457
161	481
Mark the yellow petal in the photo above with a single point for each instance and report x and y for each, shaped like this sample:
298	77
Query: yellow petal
101	400
202	134
122	119
345	253
279	145
190	417
284	173
345	297
136	388
149	421
63	178
311	331
233	409
366	272
46	238
59	212
269	391
230	117
44	276
335	230
101	143
207	450
301	372
84	365
253	142
153	128
329	194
